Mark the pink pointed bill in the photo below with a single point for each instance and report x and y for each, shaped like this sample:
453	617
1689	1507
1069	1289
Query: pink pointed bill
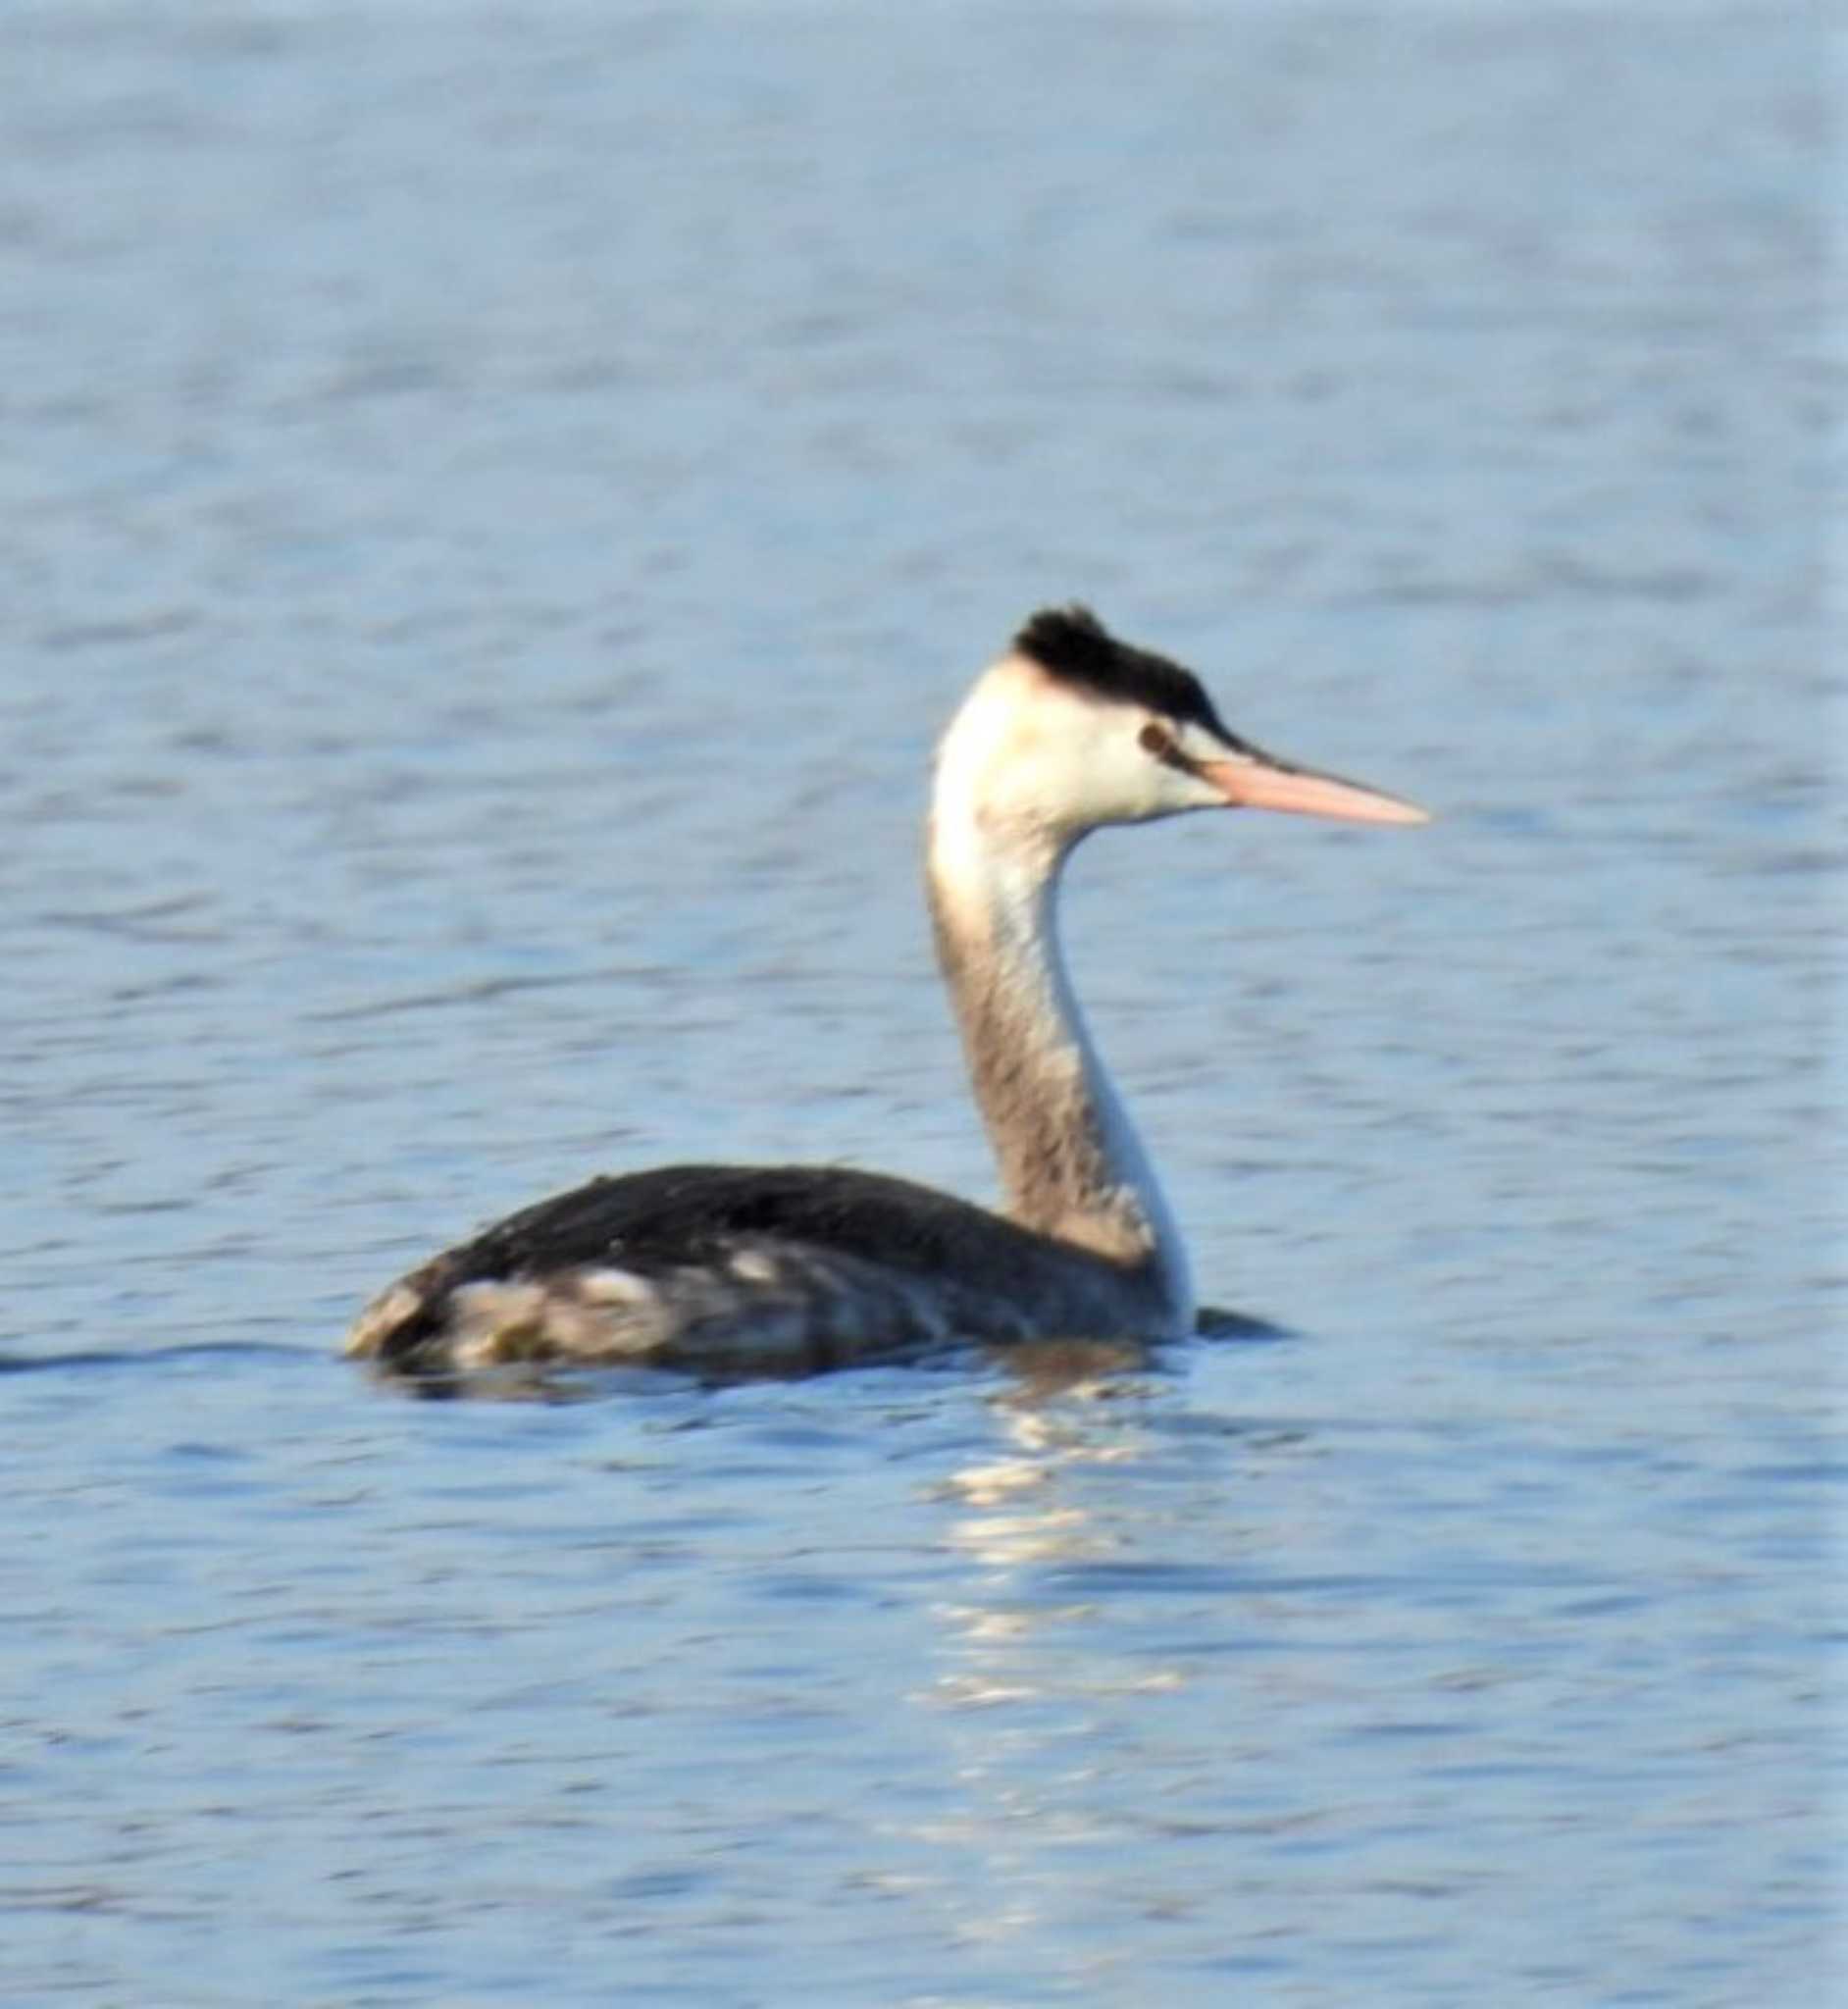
1259	781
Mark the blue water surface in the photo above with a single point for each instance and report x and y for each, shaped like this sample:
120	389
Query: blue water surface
498	503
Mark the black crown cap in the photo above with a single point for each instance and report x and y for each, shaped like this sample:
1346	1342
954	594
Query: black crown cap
1073	645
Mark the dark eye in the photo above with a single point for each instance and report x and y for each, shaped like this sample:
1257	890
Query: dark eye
1152	739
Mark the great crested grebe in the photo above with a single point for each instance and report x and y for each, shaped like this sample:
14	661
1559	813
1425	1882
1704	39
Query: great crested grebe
731	1271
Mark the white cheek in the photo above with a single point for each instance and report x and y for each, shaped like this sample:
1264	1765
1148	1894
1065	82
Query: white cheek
1119	781
1075	766
1125	783
1134	781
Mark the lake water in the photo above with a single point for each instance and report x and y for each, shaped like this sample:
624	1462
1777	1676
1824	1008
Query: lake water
498	502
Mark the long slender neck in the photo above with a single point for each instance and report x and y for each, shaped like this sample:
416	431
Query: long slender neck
1071	1164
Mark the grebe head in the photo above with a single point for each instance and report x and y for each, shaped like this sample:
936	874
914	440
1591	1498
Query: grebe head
1073	729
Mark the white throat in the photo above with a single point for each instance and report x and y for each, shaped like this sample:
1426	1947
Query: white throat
1071	1164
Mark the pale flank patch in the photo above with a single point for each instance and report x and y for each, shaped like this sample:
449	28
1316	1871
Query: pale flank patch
381	1318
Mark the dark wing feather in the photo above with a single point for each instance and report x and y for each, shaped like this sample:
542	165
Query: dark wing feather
680	1215
683	1216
